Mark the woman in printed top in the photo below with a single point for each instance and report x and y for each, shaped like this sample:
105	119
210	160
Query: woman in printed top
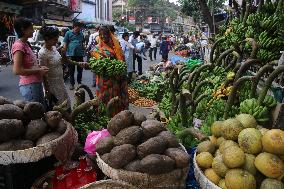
26	65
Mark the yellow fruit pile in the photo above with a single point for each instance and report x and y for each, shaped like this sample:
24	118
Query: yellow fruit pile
240	155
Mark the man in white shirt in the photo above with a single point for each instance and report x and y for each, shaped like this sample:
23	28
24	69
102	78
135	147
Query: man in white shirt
153	47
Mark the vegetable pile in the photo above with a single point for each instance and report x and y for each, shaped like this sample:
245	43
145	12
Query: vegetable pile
24	125
141	145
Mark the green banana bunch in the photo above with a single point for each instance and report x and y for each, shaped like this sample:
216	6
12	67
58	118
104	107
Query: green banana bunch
252	107
269	102
108	67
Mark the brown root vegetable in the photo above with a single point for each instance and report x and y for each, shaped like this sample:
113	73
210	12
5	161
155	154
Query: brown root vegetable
180	157
139	118
47	138
130	135
34	110
4	100
152	128
134	166
20	103
14	145
170	139
105	145
120	121
157	164
11	129
153	145
10	111
61	128
105	158
121	155
35	130
53	118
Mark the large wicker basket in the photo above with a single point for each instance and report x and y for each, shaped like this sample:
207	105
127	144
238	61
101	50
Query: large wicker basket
109	184
204	183
172	180
61	147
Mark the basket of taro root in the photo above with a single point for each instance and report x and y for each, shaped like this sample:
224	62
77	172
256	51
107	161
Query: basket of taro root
29	134
142	153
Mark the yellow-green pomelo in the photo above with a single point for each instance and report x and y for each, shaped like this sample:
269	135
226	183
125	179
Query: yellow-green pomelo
250	141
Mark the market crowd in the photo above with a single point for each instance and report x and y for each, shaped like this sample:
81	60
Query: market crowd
42	76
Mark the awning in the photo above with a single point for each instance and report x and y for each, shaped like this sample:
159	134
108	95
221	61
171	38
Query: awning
58	23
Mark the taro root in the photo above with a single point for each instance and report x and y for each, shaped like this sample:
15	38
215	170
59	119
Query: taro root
180	157
130	135
20	103
105	145
4	100
139	118
10	111
121	155
53	118
62	126
11	129
152	128
120	121
170	139
14	145
35	130
155	145
105	158
134	166
34	110
47	138
157	164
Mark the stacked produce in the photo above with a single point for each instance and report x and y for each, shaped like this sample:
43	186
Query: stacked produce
141	145
24	125
241	155
108	67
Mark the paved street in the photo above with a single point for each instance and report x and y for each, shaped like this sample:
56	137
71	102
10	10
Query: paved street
9	82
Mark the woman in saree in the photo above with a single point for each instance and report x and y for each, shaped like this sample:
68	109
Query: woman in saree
109	87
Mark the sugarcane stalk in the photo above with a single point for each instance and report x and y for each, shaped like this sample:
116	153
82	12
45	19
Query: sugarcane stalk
279	70
84	107
223	55
197	74
89	91
257	77
199	86
233	94
244	67
214	48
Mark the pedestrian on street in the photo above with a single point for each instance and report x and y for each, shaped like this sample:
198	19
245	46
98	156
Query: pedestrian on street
134	41
165	48
73	46
93	41
153	47
127	49
26	65
50	57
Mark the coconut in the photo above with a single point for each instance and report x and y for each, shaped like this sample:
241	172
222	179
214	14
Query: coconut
212	176
271	184
233	157
219	141
204	160
222	184
231	129
250	141
273	141
269	164
224	145
216	128
240	179
206	146
247	120
249	164
219	166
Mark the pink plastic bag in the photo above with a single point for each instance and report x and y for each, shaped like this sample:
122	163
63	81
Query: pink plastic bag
92	140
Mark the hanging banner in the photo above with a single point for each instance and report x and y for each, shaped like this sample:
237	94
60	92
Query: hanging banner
76	5
131	19
150	20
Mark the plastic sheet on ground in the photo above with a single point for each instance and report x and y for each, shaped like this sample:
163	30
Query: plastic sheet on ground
191	182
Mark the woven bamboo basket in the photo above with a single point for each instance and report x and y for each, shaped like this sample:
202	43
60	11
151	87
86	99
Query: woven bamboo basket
172	180
109	184
204	183
61	147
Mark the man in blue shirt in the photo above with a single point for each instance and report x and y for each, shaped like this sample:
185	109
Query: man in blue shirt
73	46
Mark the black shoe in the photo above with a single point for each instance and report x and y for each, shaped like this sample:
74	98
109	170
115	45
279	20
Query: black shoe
71	87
